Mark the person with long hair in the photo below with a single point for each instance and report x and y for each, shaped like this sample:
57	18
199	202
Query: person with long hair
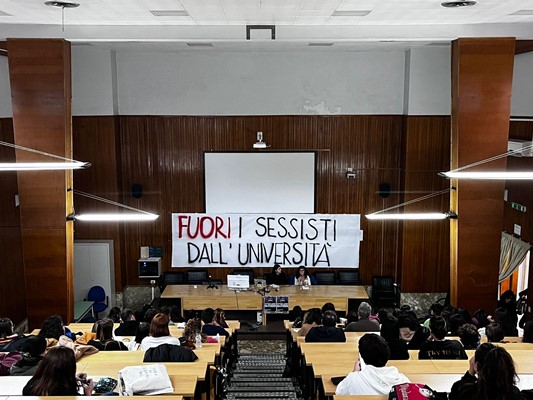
312	318
505	319
302	278
56	376
52	327
104	336
496	379
277	276
159	333
220	318
9	340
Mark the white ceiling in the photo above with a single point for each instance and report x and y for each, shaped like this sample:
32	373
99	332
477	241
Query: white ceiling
391	24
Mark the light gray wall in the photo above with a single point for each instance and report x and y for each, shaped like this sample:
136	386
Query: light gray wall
5	89
251	83
522	98
429	81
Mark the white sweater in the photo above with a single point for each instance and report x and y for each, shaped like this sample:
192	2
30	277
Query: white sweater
150	341
371	380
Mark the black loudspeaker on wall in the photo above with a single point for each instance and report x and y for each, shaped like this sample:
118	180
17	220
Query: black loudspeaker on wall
384	189
137	190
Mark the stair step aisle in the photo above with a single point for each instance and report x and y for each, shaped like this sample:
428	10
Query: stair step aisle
261	376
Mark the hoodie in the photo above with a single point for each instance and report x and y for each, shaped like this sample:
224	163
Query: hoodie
325	334
371	380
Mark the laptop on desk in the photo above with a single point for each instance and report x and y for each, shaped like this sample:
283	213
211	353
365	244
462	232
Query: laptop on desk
238	282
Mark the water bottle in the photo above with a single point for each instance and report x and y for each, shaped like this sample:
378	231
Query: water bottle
198	343
218	337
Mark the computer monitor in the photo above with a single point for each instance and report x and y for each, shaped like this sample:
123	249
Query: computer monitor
149	267
238	282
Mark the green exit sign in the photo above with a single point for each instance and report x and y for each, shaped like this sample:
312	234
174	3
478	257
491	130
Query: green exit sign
519	207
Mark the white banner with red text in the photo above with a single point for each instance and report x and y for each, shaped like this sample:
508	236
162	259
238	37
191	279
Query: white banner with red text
235	240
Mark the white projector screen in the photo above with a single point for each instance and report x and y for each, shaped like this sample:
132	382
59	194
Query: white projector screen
255	182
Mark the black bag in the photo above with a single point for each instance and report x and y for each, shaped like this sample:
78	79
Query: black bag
169	353
105	385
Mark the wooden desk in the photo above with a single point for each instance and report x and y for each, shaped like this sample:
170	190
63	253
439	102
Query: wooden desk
200	297
205	354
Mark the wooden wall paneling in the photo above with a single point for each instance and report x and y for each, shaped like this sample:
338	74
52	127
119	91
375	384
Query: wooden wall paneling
482	72
94	141
41	96
426	246
12	283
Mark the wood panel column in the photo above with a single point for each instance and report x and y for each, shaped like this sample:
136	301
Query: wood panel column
40	76
482	72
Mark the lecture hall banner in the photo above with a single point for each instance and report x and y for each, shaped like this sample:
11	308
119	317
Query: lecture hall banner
233	240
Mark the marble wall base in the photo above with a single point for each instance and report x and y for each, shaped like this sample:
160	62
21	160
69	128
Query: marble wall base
420	302
135	297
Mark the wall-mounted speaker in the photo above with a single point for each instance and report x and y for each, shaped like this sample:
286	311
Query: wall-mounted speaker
384	190
137	190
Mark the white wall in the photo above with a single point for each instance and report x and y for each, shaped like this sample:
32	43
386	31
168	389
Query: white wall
522	97
428	81
92	81
260	83
5	89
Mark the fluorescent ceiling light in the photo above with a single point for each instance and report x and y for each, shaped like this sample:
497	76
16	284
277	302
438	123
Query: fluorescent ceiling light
117	217
200	44
351	13
320	44
409	216
42	166
502	175
170	13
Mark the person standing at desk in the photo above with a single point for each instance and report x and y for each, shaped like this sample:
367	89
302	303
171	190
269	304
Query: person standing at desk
277	277
302	278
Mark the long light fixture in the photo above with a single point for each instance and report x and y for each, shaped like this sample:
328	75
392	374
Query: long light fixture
137	215
459	173
383	215
64	164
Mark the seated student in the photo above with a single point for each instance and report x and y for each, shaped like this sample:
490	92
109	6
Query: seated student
494	333
475	364
439	347
528	332
129	324
114	314
370	376
302	278
159	333
175	315
53	328
312	318
104	336
505	319
420	337
390	331
32	353
435	310
364	324
9	340
277	276
469	336
455	322
497	379
211	328
56	376
328	331
220	318
193	327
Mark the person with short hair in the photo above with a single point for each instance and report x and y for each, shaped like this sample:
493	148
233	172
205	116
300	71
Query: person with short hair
9	340
370	375
494	333
56	376
129	324
159	333
210	327
312	318
328	331
32	353
469	336
439	347
104	336
364	324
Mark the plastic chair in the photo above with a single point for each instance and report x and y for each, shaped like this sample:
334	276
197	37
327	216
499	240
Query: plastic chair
385	293
171	278
325	278
349	278
101	300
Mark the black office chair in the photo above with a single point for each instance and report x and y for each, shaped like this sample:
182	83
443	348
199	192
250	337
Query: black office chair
171	278
325	278
197	276
349	277
245	271
385	293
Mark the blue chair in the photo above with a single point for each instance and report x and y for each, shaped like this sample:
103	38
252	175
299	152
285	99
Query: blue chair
98	296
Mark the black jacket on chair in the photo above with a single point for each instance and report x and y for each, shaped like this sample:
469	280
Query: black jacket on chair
169	353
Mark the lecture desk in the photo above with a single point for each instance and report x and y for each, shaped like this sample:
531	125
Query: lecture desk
198	297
